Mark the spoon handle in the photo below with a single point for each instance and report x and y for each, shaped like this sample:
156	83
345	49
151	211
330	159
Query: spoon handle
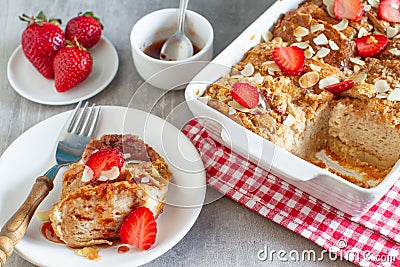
183	4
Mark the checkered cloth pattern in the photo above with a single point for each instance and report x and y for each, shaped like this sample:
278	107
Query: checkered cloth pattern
370	240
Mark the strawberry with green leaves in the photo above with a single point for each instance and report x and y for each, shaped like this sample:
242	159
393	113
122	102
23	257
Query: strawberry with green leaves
86	28
40	42
72	65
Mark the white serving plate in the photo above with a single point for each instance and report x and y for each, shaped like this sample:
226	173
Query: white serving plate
320	183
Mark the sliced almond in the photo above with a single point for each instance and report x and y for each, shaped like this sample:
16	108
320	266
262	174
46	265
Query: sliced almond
231	111
356	68
362	32
329	8
329	80
309	79
397	36
394	95
261	101
204	99
317	27
394	51
237	76
258	78
300	32
367	7
358	78
301	45
267	63
333	45
309	52
267	36
357	61
248	70
381	86
323	52
274	67
238	107
391	32
328	2
43	215
289	120
374	3
341	25
382	95
320	39
315	67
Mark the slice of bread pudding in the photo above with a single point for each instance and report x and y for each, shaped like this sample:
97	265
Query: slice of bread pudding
92	212
357	127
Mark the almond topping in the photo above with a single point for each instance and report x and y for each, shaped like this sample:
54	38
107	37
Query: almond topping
394	51
381	95
309	79
367	7
237	106
341	25
43	215
358	78
328	2
391	32
357	61
333	45
237	76
381	86
301	45
361	32
267	36
321	39
301	32
394	95
329	8
258	79
328	81
231	111
315	67
373	3
317	27
289	120
323	52
356	68
248	70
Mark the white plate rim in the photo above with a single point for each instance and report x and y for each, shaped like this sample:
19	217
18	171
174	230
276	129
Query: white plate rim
193	212
68	100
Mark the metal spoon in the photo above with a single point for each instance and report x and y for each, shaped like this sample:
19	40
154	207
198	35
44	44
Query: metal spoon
178	46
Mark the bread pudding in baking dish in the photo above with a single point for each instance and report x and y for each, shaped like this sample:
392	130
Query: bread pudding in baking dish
324	84
95	201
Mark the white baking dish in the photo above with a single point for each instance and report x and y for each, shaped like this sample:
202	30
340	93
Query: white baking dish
316	181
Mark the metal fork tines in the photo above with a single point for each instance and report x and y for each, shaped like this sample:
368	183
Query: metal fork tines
75	135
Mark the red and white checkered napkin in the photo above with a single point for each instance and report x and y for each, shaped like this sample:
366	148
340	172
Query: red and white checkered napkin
372	240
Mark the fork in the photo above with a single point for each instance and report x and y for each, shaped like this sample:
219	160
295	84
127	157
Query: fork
71	144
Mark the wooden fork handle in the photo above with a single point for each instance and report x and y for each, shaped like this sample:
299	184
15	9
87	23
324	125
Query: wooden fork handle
15	228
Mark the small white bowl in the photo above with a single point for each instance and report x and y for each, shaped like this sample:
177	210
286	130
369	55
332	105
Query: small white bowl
160	25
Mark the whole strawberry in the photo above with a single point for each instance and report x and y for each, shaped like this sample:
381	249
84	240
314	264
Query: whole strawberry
72	65
40	42
86	28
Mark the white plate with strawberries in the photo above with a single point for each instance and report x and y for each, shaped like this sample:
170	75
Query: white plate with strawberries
185	196
29	83
56	68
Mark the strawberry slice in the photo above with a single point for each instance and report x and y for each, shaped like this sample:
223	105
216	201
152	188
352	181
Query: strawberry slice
289	59
371	45
389	10
245	94
139	229
105	160
340	87
348	9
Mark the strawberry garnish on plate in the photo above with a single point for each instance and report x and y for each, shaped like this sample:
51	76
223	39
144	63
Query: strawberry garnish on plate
289	59
72	65
340	87
389	10
371	45
245	94
105	160
86	28
40	42
139	229
348	9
